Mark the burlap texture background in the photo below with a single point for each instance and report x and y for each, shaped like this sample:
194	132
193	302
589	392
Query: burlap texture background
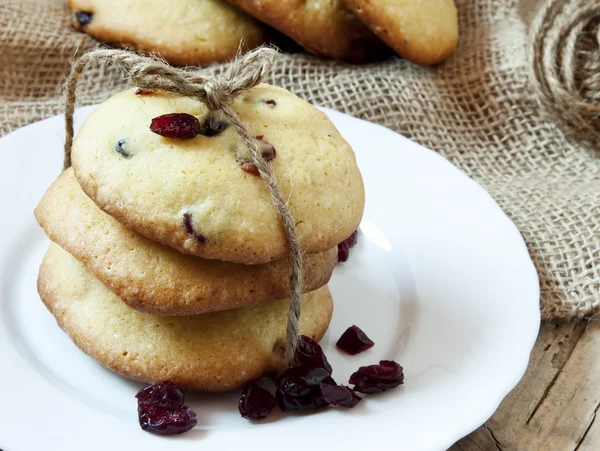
478	110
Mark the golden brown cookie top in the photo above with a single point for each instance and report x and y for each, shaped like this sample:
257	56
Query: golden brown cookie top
195	194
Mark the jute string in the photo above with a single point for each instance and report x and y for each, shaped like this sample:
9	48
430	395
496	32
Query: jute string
565	51
216	93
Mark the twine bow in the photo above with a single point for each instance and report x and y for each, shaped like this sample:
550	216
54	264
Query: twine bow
244	73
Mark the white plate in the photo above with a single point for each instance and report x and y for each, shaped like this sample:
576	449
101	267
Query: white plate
441	280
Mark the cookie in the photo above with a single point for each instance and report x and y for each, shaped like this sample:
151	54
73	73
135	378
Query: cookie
154	278
185	32
213	352
422	31
195	196
325	28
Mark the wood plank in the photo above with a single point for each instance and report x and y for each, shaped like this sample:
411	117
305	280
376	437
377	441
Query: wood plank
591	440
571	406
479	440
516	425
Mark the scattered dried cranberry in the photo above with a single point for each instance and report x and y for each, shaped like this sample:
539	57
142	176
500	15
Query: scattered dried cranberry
143	92
345	246
213	125
256	402
83	18
314	400
166	421
161	409
354	341
299	387
121	148
310	354
338	395
189	228
301	380
271	103
163	393
176	125
377	378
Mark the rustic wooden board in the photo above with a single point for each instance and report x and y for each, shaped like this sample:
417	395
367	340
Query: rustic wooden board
554	406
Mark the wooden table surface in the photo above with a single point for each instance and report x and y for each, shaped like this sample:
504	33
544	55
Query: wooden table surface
554	406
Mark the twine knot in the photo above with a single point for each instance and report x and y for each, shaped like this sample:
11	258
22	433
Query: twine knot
217	93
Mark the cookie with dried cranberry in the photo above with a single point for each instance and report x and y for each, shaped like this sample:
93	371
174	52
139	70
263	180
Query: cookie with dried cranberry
201	195
188	32
328	28
212	352
154	278
422	31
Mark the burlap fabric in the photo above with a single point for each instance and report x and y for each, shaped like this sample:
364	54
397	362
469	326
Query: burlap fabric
479	110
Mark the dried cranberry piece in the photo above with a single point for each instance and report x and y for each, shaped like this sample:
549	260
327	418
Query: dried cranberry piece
268	153
250	168
163	421
339	395
256	402
84	18
377	378
143	92
343	252
189	229
345	246
298	388
176	125
121	148
213	125
161	409
311	401
267	149
310	354
354	341
329	381
300	380
164	393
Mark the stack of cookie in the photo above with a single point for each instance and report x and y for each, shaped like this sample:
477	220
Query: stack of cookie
169	260
204	31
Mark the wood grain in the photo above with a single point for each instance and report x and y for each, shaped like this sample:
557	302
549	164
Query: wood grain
554	407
